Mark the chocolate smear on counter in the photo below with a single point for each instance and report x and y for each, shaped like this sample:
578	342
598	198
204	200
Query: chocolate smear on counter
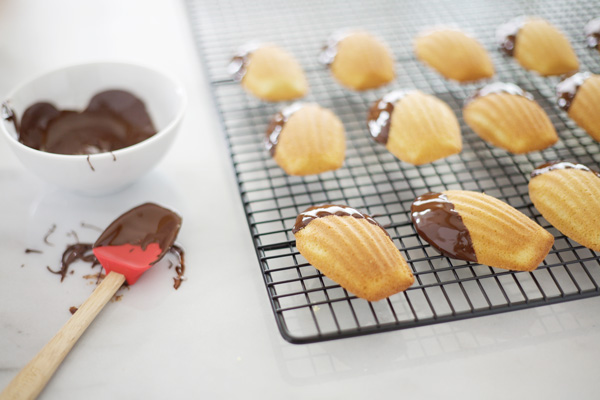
73	253
592	33
27	251
113	119
90	226
436	221
555	165
50	232
506	34
239	63
380	115
330	49
276	125
498	88
8	114
73	310
325	210
179	269
567	89
142	225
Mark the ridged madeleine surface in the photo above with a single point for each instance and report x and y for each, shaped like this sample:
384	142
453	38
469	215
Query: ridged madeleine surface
423	129
362	62
454	54
541	47
584	108
273	74
356	254
312	141
570	200
502	236
512	122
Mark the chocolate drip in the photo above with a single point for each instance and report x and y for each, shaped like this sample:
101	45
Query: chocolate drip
592	33
75	252
50	232
114	119
142	225
179	269
276	125
436	221
8	114
567	89
330	49
506	34
380	115
554	165
239	63
312	213
497	88
27	251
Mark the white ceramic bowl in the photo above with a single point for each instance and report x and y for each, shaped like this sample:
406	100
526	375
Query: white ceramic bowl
72	88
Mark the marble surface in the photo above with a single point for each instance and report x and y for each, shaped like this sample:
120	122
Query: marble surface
216	337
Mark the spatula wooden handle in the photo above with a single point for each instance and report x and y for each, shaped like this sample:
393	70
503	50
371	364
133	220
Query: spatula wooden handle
32	379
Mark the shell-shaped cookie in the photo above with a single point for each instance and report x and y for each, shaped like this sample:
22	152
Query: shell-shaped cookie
359	61
568	196
538	46
415	127
269	73
579	95
509	118
306	139
454	54
476	227
353	250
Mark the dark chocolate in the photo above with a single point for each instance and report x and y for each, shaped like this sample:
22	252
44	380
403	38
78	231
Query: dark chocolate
380	115
567	89
114	119
312	213
50	232
436	221
179	269
276	125
330	49
497	88
27	251
554	165
592	33
506	34
142	225
239	63
75	252
8	114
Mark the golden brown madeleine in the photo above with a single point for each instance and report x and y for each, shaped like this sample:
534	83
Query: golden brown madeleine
568	196
269	72
579	95
508	117
358	60
454	54
592	33
476	227
415	127
538	46
306	139
352	249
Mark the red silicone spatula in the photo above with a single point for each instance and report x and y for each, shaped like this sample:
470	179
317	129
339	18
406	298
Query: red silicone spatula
126	249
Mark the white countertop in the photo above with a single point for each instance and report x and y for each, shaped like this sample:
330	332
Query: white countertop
216	336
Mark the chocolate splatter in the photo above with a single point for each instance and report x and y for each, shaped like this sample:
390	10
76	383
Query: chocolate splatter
27	251
50	232
75	252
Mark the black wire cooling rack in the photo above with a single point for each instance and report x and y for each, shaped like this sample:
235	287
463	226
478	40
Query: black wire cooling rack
308	306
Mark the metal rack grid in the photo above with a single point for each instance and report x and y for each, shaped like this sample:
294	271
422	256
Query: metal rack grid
309	307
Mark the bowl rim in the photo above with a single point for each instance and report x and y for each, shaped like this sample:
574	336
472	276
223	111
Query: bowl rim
176	83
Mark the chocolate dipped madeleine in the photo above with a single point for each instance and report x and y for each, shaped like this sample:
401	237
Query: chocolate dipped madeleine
415	127
269	72
508	117
476	227
358	60
352	249
454	54
579	96
306	139
537	45
568	196
592	33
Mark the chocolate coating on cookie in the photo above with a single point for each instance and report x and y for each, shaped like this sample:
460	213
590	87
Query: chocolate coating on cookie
380	115
239	63
330	49
555	165
312	213
592	33
436	220
276	126
506	34
567	89
498	88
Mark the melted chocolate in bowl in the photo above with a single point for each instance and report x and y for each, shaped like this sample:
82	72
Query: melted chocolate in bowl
436	221
113	120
